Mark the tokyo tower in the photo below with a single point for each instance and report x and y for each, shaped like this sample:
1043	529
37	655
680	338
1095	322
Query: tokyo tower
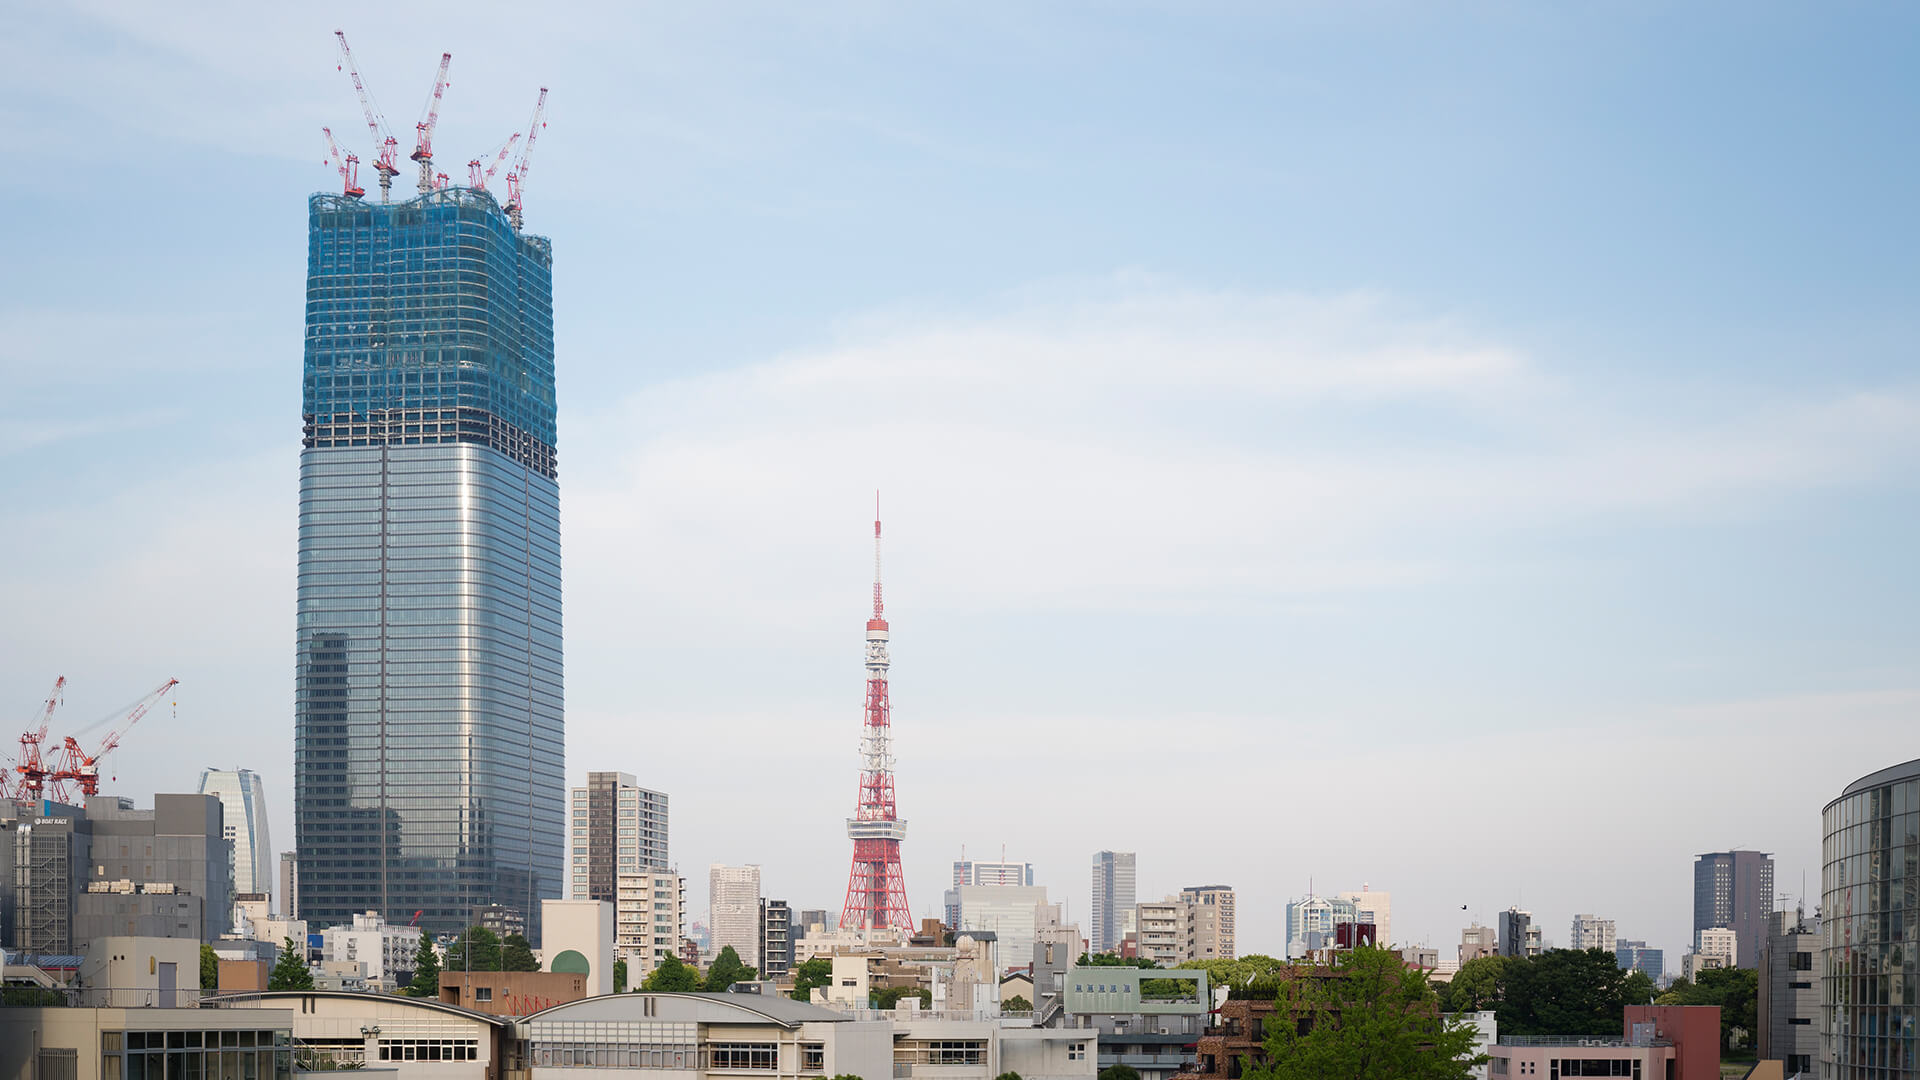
876	888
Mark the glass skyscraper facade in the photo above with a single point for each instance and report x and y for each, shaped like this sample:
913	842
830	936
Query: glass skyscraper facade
1870	920
428	725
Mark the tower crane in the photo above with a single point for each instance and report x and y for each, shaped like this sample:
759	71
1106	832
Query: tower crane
386	146
423	131
84	769
32	769
348	167
517	176
476	179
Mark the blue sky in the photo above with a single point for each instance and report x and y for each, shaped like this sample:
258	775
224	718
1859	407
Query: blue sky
1467	450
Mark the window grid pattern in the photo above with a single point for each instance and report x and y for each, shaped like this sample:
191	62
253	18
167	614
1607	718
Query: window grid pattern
1870	919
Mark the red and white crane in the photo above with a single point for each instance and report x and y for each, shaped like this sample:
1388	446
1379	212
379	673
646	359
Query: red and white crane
83	768
476	179
31	767
517	176
386	146
423	131
347	165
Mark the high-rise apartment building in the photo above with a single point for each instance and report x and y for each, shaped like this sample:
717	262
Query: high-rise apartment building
1788	1006
1112	897
649	919
733	914
1221	899
1734	889
618	828
289	886
243	804
1518	935
968	872
776	939
1178	930
1593	932
428	745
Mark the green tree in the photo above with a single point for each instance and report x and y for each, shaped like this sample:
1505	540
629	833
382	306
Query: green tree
1107	959
845	1076
1008	1075
619	976
671	976
209	968
1735	990
1563	992
1371	1018
426	970
478	949
889	997
517	955
727	970
1637	989
1119	1072
290	973
815	972
1018	1003
1475	986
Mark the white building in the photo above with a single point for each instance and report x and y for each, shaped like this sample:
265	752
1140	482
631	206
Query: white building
1715	947
400	1037
1593	932
383	952
1011	912
243	806
577	938
733	913
1113	897
253	921
1370	906
650	919
969	872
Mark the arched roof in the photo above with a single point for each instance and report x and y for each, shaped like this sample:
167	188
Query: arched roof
401	1000
1906	770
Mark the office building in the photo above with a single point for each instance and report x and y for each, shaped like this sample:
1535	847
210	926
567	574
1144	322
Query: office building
1734	889
1518	935
618	828
1477	941
428	741
1012	913
970	872
733	913
1593	932
1869	967
106	869
243	804
1636	956
650	919
1221	898
1112	897
1375	907
1789	992
776	939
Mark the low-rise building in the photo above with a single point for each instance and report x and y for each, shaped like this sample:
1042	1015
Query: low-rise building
86	1043
1477	941
385	953
1658	1042
387	1034
510	993
640	1034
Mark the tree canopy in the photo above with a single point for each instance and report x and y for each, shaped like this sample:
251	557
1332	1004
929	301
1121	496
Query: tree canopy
209	968
1562	992
727	970
671	976
1018	1003
620	976
1374	1018
517	955
477	949
1107	959
290	972
1119	1071
815	972
889	997
1735	990
426	970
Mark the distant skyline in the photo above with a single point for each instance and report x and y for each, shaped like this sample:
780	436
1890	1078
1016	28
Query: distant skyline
1495	432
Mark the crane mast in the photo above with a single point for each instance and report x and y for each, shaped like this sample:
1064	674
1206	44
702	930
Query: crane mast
423	131
386	146
517	176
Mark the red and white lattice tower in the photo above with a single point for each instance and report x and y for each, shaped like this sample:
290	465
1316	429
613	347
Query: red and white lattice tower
876	887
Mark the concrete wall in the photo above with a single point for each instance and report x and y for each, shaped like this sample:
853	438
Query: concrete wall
585	927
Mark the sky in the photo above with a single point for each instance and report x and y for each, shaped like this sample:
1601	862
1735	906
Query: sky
1466	450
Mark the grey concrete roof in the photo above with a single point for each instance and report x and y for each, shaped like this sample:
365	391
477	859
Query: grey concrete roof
1903	771
356	996
721	1008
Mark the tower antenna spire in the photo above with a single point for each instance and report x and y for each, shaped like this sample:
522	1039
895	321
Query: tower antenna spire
879	609
876	886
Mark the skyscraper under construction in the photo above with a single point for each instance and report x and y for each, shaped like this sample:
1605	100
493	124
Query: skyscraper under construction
428	750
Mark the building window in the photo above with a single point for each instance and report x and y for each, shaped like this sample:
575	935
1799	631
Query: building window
1799	1020
1077	1051
759	1057
1803	961
813	1057
483	993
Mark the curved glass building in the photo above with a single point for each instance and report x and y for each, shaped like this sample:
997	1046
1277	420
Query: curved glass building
1870	914
428	746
